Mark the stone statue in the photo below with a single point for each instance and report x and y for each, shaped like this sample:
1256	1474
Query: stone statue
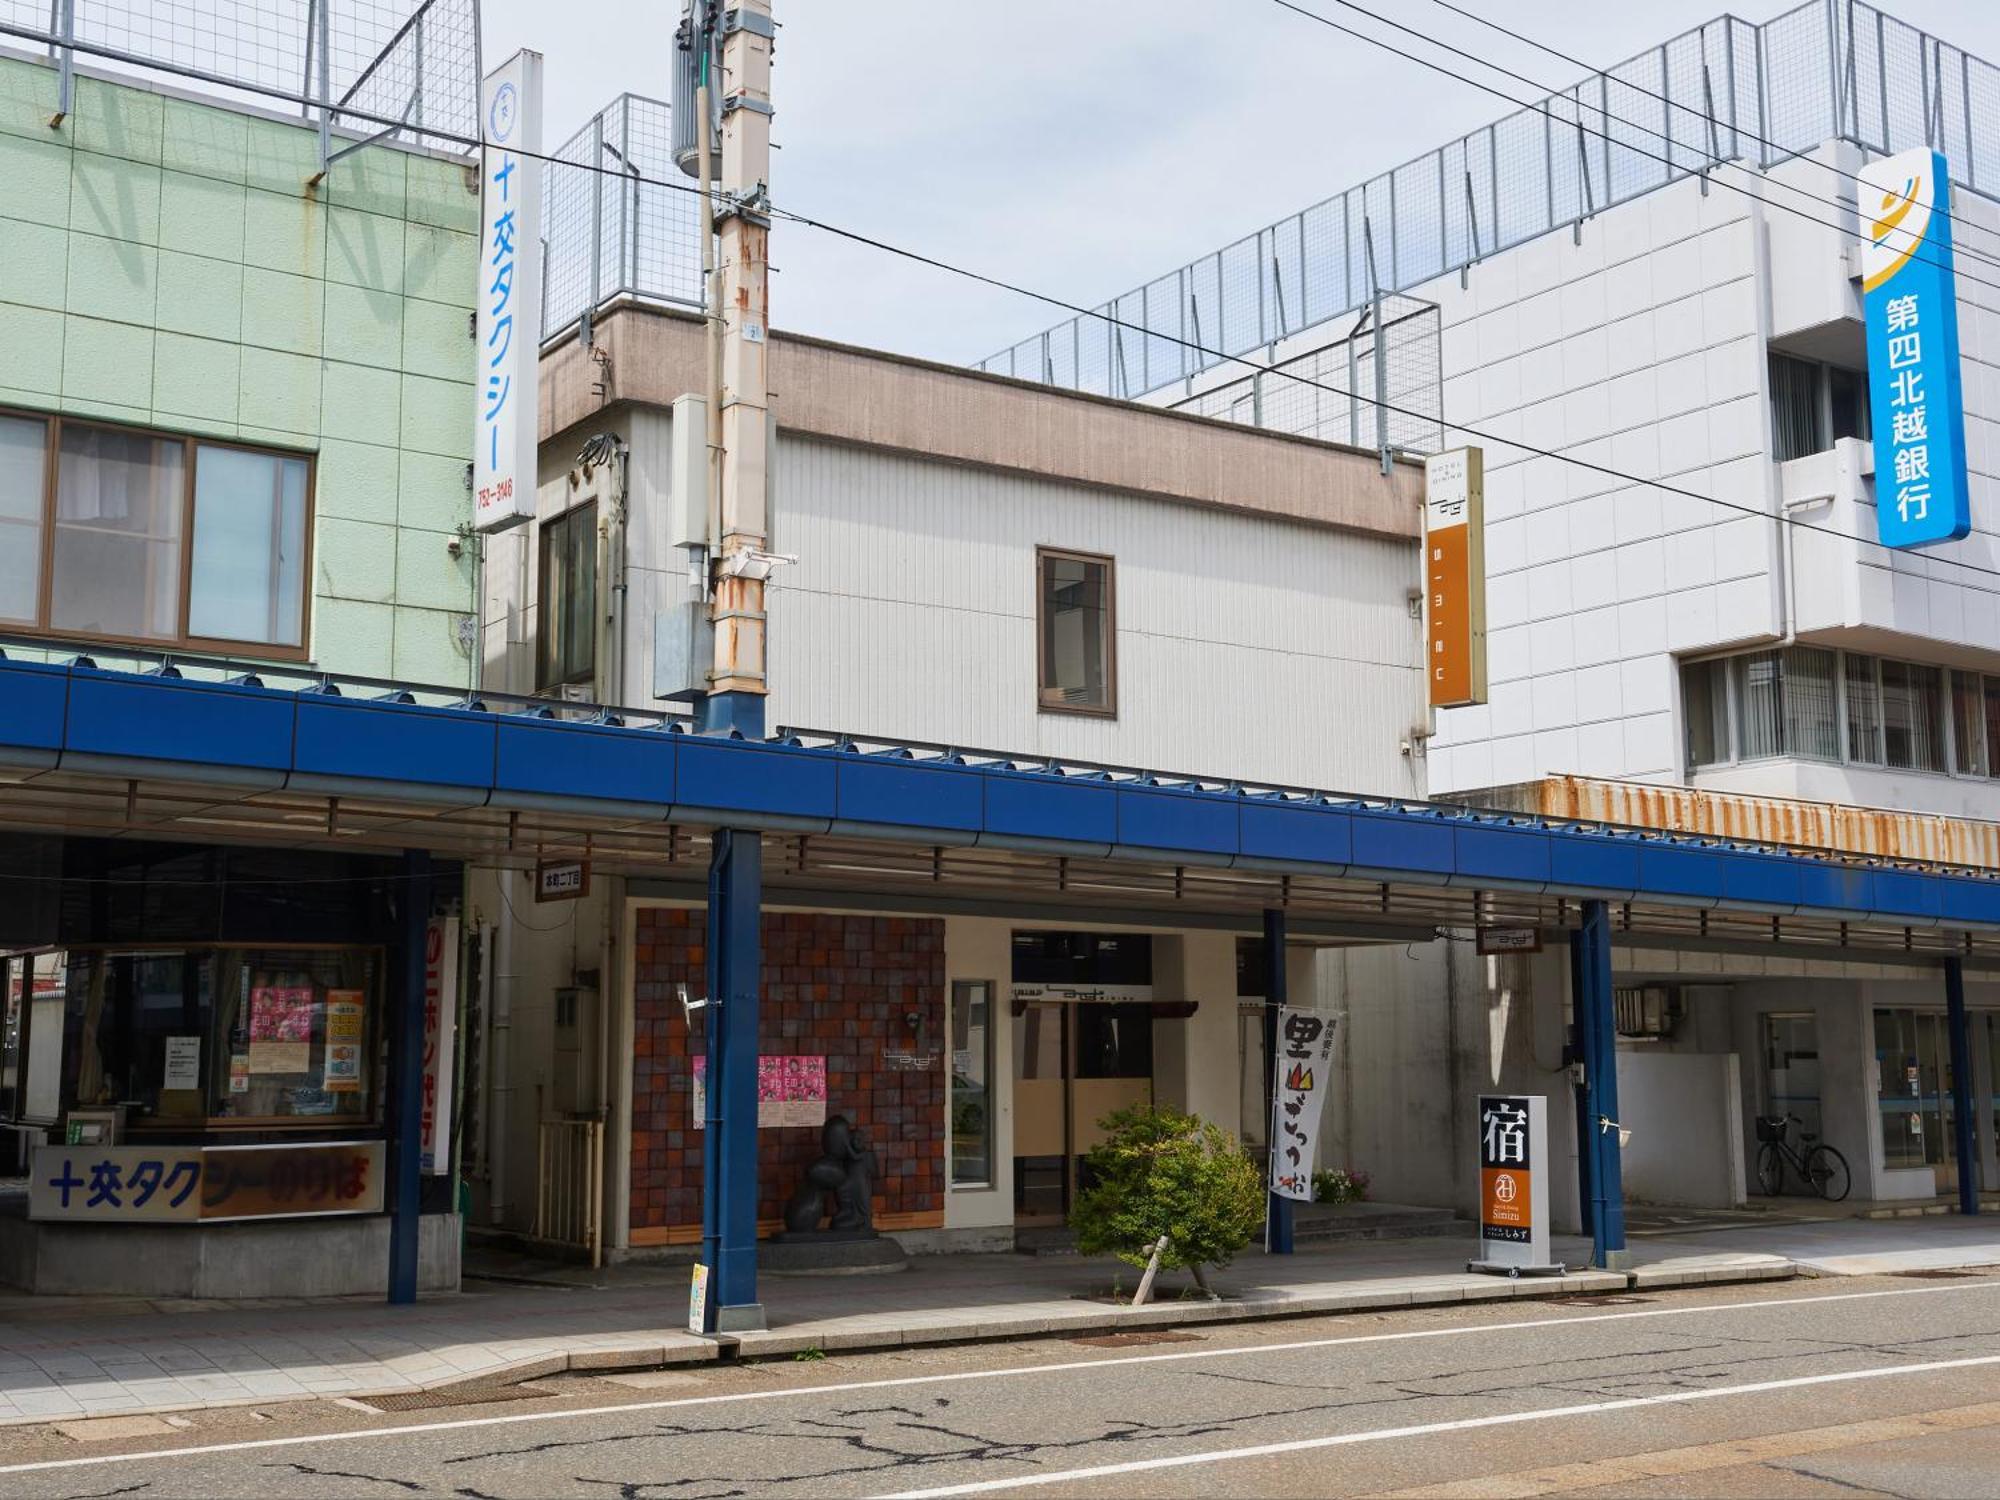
846	1168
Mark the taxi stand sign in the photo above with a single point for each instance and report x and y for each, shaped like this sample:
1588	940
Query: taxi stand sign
507	317
1514	1186
1910	301
1455	577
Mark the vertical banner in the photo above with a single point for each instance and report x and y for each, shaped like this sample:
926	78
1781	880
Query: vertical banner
440	1023
1513	1182
1455	577
1910	299
1304	1069
507	324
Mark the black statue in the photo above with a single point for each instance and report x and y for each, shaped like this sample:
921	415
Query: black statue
846	1168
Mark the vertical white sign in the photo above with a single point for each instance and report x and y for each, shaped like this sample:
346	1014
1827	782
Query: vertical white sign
1513	1183
508	313
440	1024
1304	1069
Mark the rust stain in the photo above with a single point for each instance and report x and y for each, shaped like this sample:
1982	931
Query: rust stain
1776	820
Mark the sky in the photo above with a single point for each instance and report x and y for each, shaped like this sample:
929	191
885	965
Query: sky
1080	147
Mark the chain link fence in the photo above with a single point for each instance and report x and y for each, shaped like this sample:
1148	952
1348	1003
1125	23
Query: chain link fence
402	69
1726	91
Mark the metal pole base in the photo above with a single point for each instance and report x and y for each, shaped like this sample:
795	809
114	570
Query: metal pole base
745	1317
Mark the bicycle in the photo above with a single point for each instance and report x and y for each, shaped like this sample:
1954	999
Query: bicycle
1823	1169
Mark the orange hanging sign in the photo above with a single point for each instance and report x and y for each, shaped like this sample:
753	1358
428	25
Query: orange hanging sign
1455	577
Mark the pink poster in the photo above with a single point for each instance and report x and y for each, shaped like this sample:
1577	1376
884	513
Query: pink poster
791	1091
281	1015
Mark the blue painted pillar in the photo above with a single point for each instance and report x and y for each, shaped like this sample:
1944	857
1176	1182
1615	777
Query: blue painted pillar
729	1154
1579	1094
1600	1081
1277	1208
1961	1085
718	713
406	1072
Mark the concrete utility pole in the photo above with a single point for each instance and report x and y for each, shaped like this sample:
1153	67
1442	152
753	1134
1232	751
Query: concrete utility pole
738	685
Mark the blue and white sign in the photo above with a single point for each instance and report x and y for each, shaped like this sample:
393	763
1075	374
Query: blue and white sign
1910	296
507	317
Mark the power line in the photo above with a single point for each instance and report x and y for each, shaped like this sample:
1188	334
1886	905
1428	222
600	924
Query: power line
1688	109
1541	108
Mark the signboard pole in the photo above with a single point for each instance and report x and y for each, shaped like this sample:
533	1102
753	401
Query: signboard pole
406	1060
1277	1207
1600	1083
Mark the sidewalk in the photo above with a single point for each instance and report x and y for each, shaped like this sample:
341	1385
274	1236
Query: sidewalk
68	1358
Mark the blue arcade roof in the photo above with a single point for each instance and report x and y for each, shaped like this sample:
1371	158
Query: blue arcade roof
327	738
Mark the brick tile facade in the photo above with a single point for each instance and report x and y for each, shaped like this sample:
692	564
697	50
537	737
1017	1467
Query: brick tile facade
836	986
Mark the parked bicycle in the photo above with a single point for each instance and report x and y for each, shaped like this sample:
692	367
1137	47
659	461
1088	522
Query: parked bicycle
1823	1168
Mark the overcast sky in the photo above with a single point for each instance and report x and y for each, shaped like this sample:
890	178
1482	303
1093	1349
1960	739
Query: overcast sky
1080	146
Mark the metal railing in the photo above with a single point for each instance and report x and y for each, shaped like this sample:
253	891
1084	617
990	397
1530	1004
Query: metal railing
619	235
1726	91
569	1177
379	69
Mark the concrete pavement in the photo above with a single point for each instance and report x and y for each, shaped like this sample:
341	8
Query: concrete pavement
70	1358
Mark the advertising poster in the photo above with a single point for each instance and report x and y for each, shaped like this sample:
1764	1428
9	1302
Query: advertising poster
791	1091
440	1030
344	1028
280	1057
281	1013
239	1073
183	1070
1305	1066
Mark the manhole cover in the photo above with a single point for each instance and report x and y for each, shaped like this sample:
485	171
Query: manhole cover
480	1395
1594	1299
1133	1340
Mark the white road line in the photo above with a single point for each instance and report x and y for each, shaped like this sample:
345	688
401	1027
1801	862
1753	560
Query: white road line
1431	1429
678	1403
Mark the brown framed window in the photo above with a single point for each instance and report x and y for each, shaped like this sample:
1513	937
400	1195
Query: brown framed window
566	643
1076	632
121	534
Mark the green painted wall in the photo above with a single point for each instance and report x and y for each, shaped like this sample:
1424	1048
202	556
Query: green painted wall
164	262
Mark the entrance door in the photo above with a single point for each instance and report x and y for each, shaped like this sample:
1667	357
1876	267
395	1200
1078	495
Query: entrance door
1074	1064
1914	1093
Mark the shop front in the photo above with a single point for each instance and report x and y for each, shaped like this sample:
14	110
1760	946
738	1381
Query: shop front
195	1080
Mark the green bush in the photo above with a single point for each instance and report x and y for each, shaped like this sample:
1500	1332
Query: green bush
1340	1185
1160	1172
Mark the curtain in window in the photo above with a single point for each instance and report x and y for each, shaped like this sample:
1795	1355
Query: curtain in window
1797	427
1705	696
1913	725
1993	731
118	534
1811	722
23	445
1968	724
1759	691
1864	712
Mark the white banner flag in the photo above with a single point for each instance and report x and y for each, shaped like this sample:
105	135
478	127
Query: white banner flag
1304	1072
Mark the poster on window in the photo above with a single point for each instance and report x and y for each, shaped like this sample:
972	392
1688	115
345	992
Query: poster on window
281	1013
1304	1068
791	1092
344	1025
440	1029
183	1063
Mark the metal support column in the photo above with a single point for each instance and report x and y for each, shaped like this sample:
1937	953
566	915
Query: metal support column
1580	1095
1961	1085
1277	1208
1600	1083
729	1154
406	1068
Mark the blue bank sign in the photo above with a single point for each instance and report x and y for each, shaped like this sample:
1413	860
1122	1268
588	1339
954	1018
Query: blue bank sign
1910	296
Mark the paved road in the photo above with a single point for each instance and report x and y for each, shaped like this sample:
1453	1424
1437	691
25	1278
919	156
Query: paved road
1889	1386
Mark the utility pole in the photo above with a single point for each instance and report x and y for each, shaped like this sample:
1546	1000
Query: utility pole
739	681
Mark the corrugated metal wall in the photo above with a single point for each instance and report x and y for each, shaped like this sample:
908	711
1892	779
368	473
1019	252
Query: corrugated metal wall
1246	647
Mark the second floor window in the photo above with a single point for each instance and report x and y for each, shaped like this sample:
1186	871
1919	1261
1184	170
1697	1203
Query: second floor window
566	649
1074	620
1813	405
124	535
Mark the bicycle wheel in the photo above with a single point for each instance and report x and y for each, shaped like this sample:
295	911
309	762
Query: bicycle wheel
1770	1169
1826	1170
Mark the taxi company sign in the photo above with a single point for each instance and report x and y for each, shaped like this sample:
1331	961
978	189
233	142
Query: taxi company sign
507	317
1455	577
1910	299
1513	1182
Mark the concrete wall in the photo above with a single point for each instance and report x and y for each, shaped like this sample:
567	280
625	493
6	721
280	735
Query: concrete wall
165	263
1690	1148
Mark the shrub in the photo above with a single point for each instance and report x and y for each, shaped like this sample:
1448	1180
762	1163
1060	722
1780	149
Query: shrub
1162	1172
1340	1185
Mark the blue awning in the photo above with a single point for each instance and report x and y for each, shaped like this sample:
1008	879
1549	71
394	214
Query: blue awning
257	739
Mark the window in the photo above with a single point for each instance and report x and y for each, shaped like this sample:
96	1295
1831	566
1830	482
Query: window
1813	406
1864	711
1705	691
1651	1011
971	1083
567	642
1075	622
124	535
1968	725
1912	724
1782	703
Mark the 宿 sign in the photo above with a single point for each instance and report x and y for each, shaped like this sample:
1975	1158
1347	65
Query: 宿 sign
1455	577
1514	1185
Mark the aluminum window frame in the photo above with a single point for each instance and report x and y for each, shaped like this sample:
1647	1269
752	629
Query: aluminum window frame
1049	699
548	680
54	424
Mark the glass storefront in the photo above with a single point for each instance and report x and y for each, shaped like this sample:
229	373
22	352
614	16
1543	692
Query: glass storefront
1914	1093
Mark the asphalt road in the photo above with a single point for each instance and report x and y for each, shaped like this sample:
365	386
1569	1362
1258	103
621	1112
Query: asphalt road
1882	1386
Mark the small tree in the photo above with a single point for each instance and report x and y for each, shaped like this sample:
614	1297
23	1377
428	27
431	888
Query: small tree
1160	1172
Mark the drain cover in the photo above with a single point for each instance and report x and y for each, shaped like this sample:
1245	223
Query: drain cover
1133	1340
1938	1275
479	1395
1595	1299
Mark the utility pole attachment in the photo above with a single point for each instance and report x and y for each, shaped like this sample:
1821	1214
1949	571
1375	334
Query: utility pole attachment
739	560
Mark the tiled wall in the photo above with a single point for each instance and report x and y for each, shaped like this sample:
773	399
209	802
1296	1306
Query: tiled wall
165	262
834	986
